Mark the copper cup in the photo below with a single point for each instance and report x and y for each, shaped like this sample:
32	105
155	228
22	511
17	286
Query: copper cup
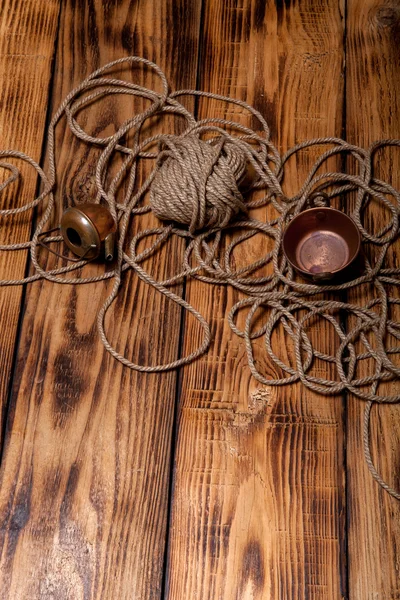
322	243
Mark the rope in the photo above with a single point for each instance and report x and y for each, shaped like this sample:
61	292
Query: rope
199	183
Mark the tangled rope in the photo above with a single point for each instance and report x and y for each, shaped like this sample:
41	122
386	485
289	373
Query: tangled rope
200	181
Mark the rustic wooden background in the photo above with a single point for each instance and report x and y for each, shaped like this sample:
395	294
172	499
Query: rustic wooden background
200	484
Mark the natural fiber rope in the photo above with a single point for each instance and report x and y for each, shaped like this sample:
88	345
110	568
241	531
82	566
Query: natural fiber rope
197	182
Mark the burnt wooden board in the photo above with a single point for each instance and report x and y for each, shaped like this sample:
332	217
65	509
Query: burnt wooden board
27	36
258	498
85	477
373	113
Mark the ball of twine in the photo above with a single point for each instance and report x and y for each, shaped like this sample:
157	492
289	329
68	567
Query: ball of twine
197	182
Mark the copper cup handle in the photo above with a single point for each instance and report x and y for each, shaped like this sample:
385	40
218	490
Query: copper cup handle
318	194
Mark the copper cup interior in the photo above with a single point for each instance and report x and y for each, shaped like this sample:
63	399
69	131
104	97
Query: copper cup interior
321	242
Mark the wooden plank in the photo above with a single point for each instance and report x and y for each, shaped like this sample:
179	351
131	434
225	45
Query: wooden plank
84	489
258	497
27	35
373	113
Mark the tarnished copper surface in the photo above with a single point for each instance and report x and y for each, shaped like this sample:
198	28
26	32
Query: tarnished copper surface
89	229
321	243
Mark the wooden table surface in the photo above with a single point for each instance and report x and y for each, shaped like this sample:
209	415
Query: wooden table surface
200	484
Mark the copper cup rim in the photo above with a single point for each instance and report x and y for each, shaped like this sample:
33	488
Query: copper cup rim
333	272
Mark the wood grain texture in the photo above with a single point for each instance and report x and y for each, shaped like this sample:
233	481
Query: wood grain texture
27	36
84	483
264	494
258	498
373	112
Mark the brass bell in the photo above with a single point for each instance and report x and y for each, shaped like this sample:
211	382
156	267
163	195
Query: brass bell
88	230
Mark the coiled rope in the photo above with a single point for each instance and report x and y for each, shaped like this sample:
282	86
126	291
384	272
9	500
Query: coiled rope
196	184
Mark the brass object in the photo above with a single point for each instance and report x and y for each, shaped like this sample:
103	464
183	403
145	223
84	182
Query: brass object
89	230
322	243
